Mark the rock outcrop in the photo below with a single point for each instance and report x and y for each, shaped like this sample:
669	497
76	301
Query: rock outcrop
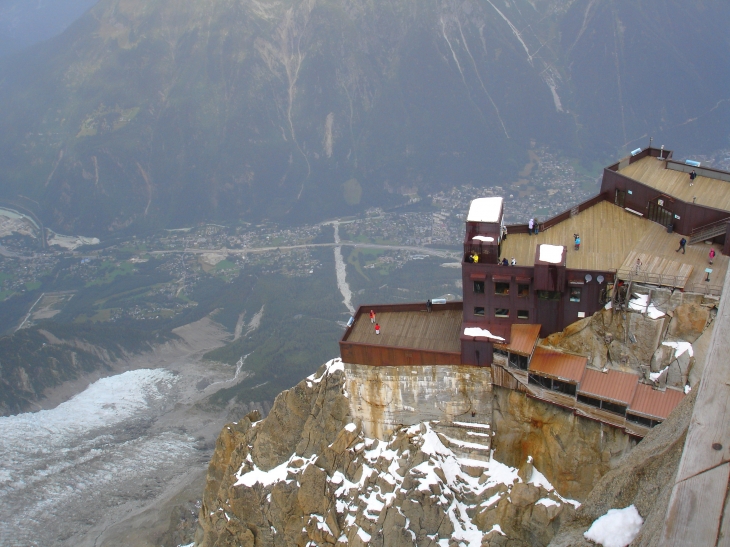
644	478
643	338
307	475
572	452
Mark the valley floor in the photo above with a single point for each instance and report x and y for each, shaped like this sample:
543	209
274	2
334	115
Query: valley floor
117	456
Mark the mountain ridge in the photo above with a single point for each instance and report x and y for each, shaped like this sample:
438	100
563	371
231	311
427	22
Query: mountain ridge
153	114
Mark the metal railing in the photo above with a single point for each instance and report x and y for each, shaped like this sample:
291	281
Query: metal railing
708	231
672	281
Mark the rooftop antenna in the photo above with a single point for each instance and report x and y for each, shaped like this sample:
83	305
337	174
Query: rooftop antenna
661	155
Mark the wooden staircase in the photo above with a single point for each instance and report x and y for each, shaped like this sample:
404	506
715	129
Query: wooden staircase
703	233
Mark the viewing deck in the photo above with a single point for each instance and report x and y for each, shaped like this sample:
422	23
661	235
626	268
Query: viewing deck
607	234
663	266
409	335
709	192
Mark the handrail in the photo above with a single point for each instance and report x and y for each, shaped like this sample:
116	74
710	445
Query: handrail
708	226
662	280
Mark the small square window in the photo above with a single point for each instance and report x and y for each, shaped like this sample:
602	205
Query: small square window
501	312
523	314
479	287
523	290
479	311
501	288
575	294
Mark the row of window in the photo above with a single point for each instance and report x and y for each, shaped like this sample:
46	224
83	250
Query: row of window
502	289
502	312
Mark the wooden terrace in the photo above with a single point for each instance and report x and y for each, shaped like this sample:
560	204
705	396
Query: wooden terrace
409	335
709	192
663	266
607	233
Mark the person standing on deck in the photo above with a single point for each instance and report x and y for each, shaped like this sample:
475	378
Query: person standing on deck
530	226
682	243
577	242
638	266
712	255
692	177
372	316
428	305
377	328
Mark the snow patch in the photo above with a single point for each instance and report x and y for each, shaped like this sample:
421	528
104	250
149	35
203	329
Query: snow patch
476	331
617	528
640	304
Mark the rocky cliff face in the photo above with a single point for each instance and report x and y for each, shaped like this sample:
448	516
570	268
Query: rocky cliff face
660	347
308	475
643	478
572	452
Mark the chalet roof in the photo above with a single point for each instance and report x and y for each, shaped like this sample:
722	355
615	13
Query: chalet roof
653	403
613	385
523	338
708	191
561	366
435	331
485	210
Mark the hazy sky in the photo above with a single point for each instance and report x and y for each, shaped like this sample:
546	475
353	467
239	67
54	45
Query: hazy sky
26	22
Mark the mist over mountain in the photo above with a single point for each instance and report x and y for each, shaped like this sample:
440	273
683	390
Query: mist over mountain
27	22
163	112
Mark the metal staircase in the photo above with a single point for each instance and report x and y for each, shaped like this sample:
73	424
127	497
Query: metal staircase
703	233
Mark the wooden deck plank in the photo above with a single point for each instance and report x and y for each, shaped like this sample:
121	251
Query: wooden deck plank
657	250
435	331
709	192
698	497
607	233
695	509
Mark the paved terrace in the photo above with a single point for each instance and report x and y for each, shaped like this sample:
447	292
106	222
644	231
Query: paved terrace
612	239
708	191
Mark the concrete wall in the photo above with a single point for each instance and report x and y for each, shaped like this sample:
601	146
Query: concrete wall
387	397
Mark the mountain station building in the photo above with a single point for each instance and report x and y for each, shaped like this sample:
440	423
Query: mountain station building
629	234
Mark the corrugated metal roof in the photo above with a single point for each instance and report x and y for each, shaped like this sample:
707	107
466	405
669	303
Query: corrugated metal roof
522	339
654	403
613	386
562	366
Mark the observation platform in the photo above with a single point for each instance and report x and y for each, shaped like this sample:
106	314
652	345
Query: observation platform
708	191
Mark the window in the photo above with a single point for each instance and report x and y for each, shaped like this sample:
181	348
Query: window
575	294
523	314
501	352
538	381
518	361
612	407
563	387
479	311
646	422
548	295
523	290
501	288
479	287
589	401
501	312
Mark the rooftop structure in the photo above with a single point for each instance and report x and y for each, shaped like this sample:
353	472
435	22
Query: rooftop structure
485	210
522	282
